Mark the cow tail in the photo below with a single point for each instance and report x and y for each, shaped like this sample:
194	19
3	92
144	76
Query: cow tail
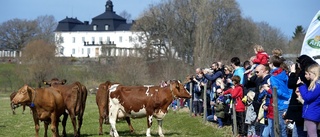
83	98
79	96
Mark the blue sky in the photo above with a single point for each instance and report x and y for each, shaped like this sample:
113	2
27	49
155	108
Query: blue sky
282	14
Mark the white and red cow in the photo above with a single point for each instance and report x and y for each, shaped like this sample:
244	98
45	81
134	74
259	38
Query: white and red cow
139	101
102	100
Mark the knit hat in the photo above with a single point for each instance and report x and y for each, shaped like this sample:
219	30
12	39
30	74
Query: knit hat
305	61
251	95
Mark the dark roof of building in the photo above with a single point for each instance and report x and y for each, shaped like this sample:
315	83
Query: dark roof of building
108	19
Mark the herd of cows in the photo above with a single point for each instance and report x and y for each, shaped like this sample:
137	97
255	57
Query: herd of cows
114	101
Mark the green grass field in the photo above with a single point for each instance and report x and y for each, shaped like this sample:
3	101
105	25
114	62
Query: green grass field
175	124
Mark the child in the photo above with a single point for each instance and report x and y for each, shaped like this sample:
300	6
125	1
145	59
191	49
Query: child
237	94
264	94
261	56
250	114
311	96
277	52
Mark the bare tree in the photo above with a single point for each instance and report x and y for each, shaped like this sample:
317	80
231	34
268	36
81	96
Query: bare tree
38	62
16	33
131	71
46	25
271	37
126	15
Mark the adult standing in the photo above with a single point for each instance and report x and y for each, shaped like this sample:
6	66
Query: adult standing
261	77
311	97
294	111
279	81
238	70
212	77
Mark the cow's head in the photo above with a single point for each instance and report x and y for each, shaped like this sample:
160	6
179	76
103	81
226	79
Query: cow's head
55	81
23	96
178	89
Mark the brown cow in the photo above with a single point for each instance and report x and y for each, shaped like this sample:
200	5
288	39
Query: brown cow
13	106
139	101
102	100
74	96
46	105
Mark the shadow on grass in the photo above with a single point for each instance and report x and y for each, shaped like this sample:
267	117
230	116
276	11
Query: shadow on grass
126	133
82	135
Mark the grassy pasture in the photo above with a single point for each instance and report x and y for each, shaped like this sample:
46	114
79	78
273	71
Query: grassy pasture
178	124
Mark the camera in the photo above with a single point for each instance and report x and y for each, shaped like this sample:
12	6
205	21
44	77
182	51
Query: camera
209	70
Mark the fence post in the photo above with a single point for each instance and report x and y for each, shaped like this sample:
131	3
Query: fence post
276	125
205	104
234	118
191	100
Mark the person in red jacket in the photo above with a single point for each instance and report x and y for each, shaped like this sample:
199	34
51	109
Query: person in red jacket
237	94
262	57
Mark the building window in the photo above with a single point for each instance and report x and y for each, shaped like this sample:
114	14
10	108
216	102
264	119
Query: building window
92	40
100	40
83	39
140	39
61	40
106	27
88	51
95	27
130	38
73	51
120	39
73	40
108	40
82	51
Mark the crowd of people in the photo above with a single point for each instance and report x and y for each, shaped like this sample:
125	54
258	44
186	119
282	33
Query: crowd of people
251	87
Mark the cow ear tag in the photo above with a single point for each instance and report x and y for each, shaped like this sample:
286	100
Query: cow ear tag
32	105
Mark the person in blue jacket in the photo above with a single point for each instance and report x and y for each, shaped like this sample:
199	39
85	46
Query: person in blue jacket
279	81
311	97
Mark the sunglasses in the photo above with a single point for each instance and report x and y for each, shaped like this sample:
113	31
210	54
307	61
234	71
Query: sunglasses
219	93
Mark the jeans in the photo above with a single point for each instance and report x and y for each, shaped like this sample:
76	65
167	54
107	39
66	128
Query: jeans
220	122
260	130
210	118
268	130
297	131
283	126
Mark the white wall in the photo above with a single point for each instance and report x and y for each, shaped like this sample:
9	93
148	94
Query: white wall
73	41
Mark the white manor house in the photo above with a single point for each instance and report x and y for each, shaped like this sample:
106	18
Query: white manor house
107	35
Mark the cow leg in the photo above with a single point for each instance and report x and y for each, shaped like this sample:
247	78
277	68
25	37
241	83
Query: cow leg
149	123
36	123
129	124
113	119
100	125
13	109
64	123
23	108
74	123
54	128
45	124
160	128
80	119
